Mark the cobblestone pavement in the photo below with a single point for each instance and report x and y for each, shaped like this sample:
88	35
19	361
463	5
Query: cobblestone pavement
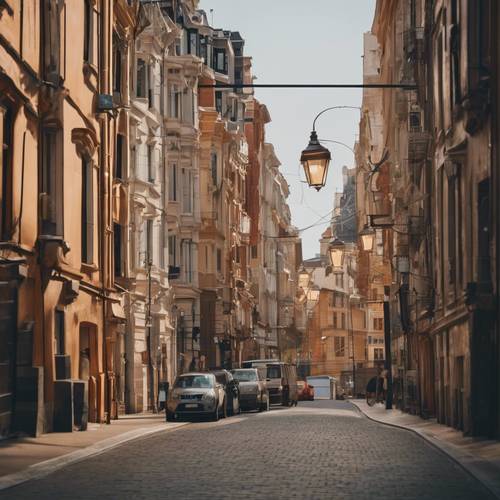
319	450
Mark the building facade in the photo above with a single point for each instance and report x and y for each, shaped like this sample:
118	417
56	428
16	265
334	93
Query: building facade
434	184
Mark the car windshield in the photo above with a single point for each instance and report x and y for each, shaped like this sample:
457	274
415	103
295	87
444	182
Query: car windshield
273	371
245	375
195	382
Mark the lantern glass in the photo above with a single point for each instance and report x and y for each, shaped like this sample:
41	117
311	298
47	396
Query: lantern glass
316	171
337	250
315	160
367	240
303	278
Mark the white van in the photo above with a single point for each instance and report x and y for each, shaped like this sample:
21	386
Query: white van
281	380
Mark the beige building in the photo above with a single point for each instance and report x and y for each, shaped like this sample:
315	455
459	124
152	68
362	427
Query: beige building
151	343
58	126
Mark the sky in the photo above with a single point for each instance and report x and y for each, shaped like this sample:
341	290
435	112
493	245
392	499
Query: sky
293	41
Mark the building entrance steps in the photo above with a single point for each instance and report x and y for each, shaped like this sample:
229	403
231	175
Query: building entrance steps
26	458
480	457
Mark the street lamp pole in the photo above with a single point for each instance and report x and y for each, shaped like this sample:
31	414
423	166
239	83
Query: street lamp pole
387	342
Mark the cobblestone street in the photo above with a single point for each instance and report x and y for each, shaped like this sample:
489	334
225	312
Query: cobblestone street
322	449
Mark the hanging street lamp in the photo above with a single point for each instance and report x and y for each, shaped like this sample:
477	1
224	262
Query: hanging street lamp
315	160
336	249
367	236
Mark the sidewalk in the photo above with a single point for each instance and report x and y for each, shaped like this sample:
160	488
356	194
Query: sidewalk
28	458
480	457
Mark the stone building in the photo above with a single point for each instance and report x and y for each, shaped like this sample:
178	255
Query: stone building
439	142
150	338
58	127
183	66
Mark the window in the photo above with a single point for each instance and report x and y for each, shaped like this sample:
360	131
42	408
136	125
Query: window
6	149
483	228
343	320
378	323
88	32
59	332
117	66
193	42
220	61
339	346
151	163
120	144
174	102
172	183
218	101
51	197
187	191
378	354
142	79
87	211
254	250
117	249
214	169
206	50
187	260
234	110
335	320
455	53
172	251
452	229
219	260
53	36
149	240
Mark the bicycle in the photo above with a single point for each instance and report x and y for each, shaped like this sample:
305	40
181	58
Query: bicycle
376	396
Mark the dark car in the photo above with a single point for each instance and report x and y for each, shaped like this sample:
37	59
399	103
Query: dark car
232	389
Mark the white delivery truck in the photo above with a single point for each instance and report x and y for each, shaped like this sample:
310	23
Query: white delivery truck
324	386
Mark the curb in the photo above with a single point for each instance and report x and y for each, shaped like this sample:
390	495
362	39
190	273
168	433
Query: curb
42	469
468	462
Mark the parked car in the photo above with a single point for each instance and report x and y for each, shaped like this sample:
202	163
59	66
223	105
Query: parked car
253	390
196	394
305	391
281	379
231	386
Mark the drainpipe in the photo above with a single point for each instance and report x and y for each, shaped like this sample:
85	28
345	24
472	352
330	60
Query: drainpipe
104	171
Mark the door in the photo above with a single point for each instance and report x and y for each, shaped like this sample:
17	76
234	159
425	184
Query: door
8	334
88	366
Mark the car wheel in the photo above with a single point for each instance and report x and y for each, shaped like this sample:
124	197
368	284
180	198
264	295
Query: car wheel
215	416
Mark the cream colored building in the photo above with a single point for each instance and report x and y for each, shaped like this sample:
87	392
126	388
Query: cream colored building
151	343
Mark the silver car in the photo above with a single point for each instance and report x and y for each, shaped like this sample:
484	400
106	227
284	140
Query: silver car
196	394
253	389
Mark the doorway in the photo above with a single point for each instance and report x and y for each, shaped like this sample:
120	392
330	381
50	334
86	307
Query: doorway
88	368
